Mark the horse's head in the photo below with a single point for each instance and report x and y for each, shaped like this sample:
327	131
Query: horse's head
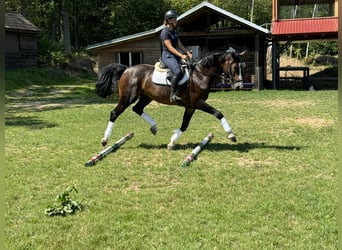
230	63
227	63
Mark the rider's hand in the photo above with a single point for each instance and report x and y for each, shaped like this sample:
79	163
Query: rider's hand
189	54
184	57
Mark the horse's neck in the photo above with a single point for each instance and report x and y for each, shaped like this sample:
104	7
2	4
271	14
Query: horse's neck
207	71
205	76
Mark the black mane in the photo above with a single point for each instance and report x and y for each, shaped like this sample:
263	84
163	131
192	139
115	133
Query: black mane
217	58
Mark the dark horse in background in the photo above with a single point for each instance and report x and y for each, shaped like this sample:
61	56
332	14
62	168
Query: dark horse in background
135	83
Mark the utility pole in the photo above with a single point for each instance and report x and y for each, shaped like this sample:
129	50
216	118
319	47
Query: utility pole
252	11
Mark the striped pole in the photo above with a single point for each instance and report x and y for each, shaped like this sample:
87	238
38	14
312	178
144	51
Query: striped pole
108	150
196	150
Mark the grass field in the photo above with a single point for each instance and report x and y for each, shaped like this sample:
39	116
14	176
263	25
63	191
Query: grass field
276	188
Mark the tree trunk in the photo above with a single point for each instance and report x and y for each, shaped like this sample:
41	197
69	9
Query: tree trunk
66	29
76	24
23	7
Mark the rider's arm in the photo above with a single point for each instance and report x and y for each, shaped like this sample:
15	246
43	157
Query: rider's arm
173	50
181	46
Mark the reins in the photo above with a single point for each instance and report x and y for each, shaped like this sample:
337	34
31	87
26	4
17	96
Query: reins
209	73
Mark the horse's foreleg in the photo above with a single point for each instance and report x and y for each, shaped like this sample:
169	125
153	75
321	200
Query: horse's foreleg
139	109
228	129
185	123
202	105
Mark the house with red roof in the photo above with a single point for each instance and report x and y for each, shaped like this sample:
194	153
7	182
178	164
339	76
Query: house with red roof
291	22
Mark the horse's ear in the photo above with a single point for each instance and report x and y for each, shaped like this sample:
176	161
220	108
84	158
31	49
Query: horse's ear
243	52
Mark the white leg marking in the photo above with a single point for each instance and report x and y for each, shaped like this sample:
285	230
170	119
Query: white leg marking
148	119
108	131
176	134
226	126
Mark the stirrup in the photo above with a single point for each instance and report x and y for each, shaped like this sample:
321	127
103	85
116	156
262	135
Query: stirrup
175	98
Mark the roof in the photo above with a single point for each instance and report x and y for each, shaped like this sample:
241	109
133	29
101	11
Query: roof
315	28
216	12
17	22
302	2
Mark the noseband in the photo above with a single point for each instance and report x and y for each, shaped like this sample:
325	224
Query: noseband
230	69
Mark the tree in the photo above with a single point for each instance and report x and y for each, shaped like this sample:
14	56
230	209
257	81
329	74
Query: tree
66	28
69	25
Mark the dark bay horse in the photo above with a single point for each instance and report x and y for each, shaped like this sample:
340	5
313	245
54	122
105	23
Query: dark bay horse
135	83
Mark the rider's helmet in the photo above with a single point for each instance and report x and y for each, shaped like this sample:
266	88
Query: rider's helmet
171	14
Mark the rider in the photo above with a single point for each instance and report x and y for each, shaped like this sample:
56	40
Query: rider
171	54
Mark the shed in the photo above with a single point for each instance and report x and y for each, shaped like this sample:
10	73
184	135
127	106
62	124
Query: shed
203	29
286	30
20	42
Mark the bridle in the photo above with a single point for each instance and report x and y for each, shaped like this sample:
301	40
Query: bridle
230	70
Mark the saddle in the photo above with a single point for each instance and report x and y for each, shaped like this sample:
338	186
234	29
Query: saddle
161	74
160	67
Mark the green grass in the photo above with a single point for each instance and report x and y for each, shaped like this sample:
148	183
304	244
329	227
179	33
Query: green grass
274	189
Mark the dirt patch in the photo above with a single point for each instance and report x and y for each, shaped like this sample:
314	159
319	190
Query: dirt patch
248	162
286	103
314	122
134	187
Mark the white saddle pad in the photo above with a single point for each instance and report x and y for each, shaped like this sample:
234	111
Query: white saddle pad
159	77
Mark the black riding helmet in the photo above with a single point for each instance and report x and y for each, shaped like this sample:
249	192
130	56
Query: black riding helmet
171	14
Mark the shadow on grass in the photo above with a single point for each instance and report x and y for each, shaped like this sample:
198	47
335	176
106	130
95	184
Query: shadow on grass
31	122
43	98
241	147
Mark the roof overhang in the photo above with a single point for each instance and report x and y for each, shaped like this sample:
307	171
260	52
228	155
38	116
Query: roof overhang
18	23
124	39
200	13
305	29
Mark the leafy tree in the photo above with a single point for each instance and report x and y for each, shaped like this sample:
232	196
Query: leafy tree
70	25
324	48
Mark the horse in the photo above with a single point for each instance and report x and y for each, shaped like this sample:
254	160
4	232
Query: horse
135	83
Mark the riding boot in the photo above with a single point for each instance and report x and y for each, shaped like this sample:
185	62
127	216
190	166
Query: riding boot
174	93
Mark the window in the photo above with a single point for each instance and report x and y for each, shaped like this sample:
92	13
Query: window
129	58
12	43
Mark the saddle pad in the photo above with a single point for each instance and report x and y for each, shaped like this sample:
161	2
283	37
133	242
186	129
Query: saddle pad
160	77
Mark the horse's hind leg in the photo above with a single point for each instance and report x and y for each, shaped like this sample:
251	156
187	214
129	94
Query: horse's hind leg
114	114
139	109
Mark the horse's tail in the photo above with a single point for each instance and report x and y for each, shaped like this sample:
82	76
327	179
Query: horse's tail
107	82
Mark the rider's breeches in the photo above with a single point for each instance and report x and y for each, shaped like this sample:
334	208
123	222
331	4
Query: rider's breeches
172	63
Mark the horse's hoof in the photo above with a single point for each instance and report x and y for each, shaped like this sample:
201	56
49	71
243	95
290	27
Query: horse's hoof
104	142
153	130
170	146
232	138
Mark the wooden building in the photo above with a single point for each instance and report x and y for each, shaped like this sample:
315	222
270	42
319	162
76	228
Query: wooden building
203	29
20	42
288	27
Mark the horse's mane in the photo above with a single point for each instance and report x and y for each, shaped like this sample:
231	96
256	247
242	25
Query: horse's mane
212	59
